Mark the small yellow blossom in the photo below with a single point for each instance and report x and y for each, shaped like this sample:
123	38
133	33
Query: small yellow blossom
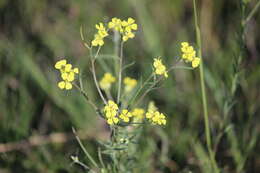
110	111
113	120
101	30
195	63
65	85
130	84
100	35
159	118
156	117
60	64
67	74
149	114
160	69
98	40
116	24
106	81
125	115
138	113
189	54
124	27
129	24
128	35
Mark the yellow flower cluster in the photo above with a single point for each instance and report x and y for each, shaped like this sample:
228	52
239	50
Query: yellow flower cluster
106	81
125	115
116	24
100	35
189	54
160	69
113	115
110	111
130	84
156	117
125	27
67	74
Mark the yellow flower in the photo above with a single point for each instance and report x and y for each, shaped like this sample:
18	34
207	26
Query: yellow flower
125	115
60	64
160	69
110	111
100	35
129	24
125	27
65	85
159	118
184	44
112	121
101	30
156	117
67	68
67	74
98	40
189	54
76	70
116	24
127	35
106	81
130	83
196	62
138	113
149	114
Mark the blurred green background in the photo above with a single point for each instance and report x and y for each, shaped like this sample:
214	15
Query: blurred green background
34	34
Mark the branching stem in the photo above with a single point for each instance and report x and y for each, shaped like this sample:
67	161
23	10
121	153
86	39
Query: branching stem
120	72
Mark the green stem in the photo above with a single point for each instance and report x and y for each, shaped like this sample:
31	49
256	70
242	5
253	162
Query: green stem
203	91
116	51
120	72
93	70
84	149
252	13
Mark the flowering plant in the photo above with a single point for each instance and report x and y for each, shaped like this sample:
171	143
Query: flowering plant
122	110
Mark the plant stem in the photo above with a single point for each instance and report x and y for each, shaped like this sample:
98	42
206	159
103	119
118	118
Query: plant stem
84	149
203	91
94	75
120	72
116	50
252	13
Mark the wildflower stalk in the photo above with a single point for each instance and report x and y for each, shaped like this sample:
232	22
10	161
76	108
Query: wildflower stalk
76	161
120	72
94	75
84	149
203	91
